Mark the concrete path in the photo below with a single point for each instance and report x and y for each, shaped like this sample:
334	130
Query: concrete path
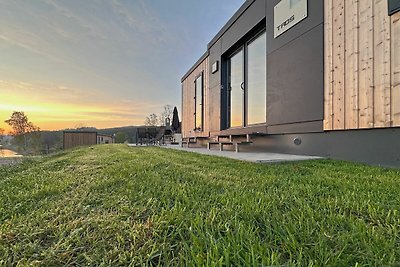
261	157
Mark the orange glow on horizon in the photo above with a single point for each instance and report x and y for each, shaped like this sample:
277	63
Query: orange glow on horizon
53	117
61	109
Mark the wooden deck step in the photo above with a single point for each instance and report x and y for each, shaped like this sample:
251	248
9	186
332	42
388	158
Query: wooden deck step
188	142
245	143
192	140
221	144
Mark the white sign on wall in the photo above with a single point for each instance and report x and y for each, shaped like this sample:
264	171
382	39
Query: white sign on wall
288	13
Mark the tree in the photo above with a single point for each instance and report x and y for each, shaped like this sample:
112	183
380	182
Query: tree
121	137
20	124
51	140
1	135
22	128
175	120
166	113
151	120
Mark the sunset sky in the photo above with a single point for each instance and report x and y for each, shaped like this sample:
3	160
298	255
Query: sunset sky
101	63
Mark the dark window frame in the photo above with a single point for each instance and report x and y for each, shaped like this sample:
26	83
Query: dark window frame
393	7
246	85
239	49
241	46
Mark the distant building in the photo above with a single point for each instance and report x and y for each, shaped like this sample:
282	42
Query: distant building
73	139
105	139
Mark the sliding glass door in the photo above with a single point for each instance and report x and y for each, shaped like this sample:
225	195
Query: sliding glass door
236	92
247	90
256	80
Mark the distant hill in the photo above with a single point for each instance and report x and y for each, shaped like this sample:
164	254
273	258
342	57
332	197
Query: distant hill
129	130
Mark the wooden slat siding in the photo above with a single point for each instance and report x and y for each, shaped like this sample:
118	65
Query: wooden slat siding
215	107
351	64
75	139
183	111
374	82
206	129
328	72
395	70
188	105
183	115
382	74
338	64
366	82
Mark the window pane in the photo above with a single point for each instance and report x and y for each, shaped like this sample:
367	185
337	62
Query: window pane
236	92
256	83
199	103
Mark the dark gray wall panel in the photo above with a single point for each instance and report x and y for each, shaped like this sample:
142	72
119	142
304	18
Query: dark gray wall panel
295	85
261	129
250	17
315	18
214	108
294	63
215	55
302	127
372	146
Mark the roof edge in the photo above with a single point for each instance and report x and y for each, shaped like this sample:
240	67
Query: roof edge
198	62
231	21
221	32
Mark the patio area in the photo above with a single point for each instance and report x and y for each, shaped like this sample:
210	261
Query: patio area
260	157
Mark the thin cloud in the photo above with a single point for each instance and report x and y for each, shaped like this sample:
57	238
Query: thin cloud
81	21
108	56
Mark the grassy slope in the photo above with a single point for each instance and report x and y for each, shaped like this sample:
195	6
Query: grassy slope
115	205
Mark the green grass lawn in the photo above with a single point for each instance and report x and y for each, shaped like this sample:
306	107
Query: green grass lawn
116	206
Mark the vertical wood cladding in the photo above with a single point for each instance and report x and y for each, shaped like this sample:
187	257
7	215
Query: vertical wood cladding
188	101
395	69
76	139
362	65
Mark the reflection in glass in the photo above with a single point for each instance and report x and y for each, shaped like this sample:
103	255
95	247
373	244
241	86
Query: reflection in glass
256	81
236	92
199	103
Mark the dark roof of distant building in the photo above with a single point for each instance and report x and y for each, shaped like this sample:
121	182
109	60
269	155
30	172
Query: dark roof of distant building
77	131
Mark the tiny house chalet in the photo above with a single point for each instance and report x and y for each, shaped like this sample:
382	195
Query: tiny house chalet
301	76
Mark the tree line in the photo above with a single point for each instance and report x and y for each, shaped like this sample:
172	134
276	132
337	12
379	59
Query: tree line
26	135
27	138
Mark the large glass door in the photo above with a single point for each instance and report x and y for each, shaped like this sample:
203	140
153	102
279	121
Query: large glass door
236	89
247	88
256	87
